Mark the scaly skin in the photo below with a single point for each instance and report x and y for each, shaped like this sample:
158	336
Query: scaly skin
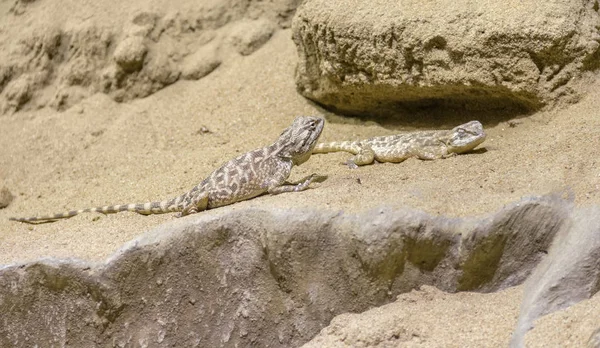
425	145
263	170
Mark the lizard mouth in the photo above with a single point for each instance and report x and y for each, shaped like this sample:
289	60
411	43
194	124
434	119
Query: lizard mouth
467	136
469	144
309	142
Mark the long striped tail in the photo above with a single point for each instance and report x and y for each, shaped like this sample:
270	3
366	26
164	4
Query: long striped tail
353	147
168	206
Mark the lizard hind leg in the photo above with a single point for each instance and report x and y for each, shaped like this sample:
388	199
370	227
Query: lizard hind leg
366	155
198	203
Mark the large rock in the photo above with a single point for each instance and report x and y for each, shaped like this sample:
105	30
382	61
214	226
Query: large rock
382	57
267	278
569	275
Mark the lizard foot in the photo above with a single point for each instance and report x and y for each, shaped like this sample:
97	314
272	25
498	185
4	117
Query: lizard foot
351	164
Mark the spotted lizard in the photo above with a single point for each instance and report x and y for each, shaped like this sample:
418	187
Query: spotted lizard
425	145
263	170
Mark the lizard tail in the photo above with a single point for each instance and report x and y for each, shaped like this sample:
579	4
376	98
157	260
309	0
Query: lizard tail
168	206
348	146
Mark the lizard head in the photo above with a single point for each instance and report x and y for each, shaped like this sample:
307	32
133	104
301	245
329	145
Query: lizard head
466	137
299	139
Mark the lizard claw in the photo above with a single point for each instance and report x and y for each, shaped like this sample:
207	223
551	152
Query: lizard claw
319	178
351	164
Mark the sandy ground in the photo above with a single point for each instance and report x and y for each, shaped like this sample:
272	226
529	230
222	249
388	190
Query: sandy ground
100	152
413	320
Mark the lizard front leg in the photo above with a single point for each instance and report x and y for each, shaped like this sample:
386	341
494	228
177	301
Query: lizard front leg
278	172
314	176
433	152
301	186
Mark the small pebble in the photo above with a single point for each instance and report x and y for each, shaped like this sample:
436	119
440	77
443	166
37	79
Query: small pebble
5	197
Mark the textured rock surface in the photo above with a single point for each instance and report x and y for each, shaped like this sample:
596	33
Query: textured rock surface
267	278
248	36
201	63
58	64
576	326
594	340
570	273
388	56
130	54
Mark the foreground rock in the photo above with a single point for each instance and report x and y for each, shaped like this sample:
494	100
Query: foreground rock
570	273
576	326
382	57
594	340
268	278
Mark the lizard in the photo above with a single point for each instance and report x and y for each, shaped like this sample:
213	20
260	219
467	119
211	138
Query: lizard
425	145
264	170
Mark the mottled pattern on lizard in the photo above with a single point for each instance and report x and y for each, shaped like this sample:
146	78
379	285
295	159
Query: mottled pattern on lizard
244	177
425	145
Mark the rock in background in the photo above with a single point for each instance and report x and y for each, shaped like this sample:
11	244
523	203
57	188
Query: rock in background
58	65
385	57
